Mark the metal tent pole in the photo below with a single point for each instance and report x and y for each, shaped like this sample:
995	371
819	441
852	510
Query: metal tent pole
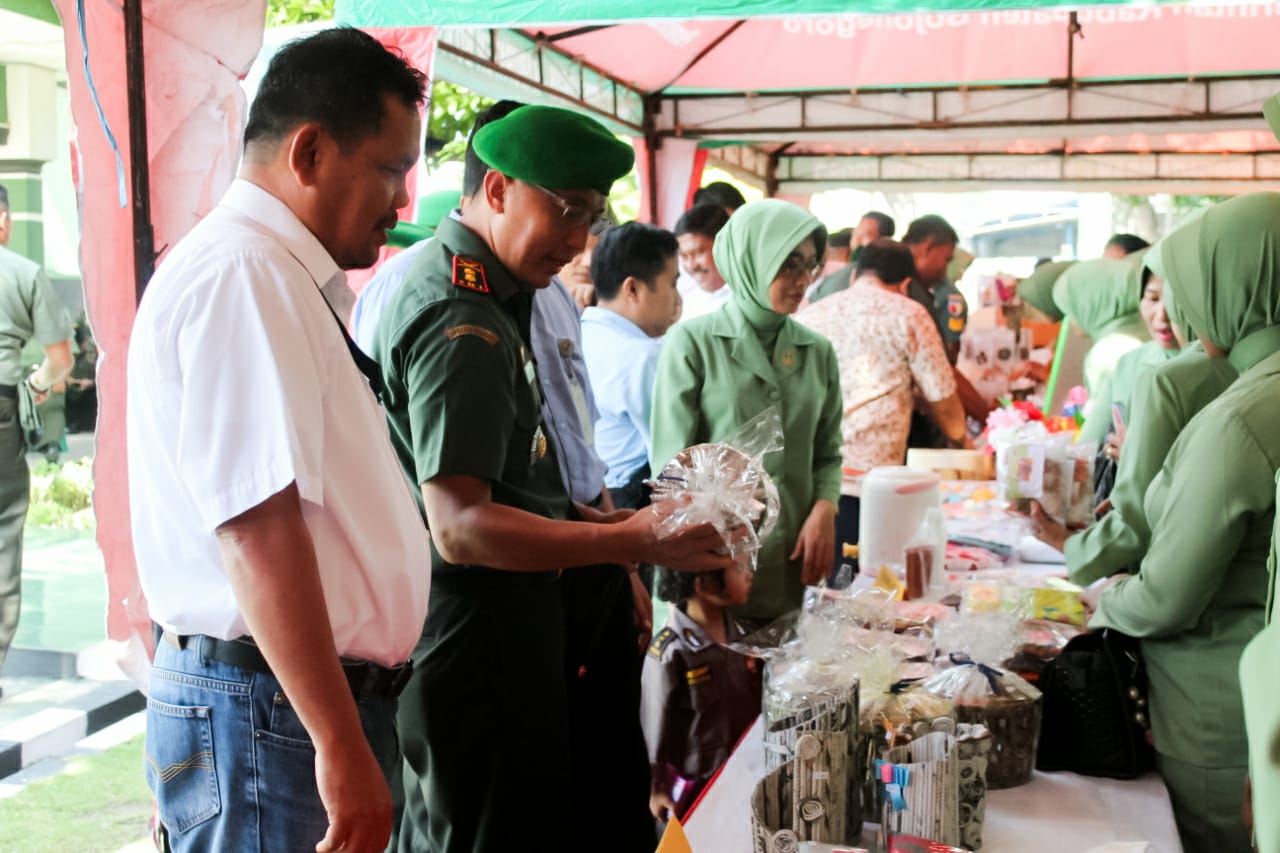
144	257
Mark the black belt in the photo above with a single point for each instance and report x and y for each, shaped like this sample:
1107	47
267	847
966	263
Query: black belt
367	679
10	391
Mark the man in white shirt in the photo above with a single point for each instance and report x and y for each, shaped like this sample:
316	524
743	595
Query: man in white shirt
277	541
702	288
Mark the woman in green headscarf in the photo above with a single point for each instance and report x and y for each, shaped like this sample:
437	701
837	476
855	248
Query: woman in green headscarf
1036	289
1102	297
720	370
1199	594
1163	400
1118	389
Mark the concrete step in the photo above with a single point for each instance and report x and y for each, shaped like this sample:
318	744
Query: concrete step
49	719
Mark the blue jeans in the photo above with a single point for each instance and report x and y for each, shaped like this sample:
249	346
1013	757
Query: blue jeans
230	764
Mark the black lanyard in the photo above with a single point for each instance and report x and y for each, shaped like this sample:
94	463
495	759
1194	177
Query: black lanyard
364	364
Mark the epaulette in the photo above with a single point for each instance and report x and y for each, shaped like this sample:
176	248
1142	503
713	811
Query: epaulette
664	638
468	273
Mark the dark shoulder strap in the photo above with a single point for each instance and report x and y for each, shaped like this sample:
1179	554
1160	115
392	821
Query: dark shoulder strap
364	364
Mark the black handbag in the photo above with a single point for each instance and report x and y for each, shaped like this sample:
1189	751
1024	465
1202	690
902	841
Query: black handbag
1095	719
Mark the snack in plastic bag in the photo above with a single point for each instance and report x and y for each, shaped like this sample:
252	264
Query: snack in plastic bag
1003	702
1080	501
725	484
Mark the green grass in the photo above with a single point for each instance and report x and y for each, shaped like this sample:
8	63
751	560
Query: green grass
98	804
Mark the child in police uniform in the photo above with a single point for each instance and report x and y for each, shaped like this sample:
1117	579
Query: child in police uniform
697	695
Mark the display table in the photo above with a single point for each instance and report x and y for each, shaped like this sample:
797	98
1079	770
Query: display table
1054	813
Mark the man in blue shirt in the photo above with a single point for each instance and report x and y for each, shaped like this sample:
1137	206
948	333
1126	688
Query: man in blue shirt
635	271
384	284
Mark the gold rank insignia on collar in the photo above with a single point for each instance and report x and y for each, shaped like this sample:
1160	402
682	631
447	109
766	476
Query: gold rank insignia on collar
789	358
664	638
469	273
538	448
698	674
691	637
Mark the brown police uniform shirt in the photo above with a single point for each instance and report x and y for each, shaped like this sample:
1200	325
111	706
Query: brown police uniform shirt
697	697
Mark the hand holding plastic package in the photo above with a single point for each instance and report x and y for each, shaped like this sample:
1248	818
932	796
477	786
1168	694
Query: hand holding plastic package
725	484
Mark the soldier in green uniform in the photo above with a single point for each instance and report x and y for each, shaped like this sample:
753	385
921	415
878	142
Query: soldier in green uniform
871	227
933	241
1199	596
29	308
483	722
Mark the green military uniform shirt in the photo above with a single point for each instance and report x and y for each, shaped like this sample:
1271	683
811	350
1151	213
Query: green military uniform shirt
1199	595
1261	691
834	283
462	392
714	376
946	305
29	309
1164	401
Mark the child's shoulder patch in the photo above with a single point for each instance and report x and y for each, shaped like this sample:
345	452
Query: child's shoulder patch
664	638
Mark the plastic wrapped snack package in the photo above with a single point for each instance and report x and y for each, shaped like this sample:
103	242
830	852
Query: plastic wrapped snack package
991	635
725	484
1020	462
1003	702
1080	496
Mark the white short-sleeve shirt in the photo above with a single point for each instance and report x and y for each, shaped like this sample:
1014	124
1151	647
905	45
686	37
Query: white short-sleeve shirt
240	383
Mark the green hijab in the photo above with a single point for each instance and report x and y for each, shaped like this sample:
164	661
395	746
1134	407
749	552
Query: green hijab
1223	269
1037	289
1102	297
1155	262
750	249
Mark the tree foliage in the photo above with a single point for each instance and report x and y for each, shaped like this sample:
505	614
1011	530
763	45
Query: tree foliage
281	12
453	111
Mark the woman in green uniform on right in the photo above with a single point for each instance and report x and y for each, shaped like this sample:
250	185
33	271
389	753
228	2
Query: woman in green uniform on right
1199	593
1102	297
1163	401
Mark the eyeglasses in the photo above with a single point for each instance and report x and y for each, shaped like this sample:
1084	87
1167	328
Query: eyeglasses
794	267
572	212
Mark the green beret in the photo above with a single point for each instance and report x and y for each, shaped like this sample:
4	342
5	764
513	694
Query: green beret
554	148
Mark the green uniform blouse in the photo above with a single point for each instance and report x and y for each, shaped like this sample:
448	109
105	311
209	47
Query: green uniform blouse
1198	597
713	377
1119	388
1261	691
1163	402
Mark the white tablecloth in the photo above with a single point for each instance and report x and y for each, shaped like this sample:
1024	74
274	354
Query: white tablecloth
1054	813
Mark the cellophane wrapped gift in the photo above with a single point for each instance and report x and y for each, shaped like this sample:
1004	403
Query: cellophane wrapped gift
811	726
1003	702
893	712
1033	464
725	484
928	804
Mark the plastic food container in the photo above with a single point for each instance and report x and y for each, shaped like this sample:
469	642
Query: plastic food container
893	503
